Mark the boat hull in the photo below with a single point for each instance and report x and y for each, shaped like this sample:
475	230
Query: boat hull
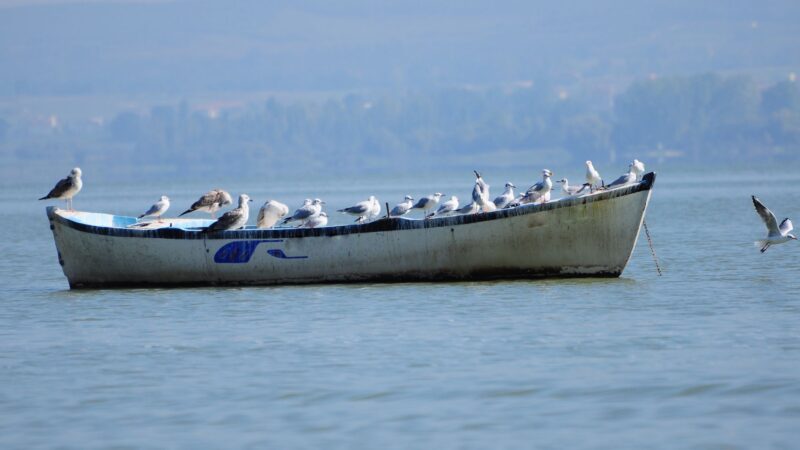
585	236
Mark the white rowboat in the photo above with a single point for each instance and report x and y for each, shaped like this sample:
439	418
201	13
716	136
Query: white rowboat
591	235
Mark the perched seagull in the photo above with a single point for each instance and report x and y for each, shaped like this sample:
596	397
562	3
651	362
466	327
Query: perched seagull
638	168
309	210
67	188
362	210
270	213
315	222
570	190
540	190
593	179
375	210
402	208
506	197
480	192
445	208
235	218
625	179
158	209
211	202
469	208
428	203
776	234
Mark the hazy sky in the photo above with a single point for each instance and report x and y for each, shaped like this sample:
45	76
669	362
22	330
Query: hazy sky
59	47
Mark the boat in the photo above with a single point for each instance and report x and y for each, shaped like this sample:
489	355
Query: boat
586	236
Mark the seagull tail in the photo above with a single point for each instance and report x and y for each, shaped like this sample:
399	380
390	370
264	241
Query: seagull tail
141	216
185	212
45	197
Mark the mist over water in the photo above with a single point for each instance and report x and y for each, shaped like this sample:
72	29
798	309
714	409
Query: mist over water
704	357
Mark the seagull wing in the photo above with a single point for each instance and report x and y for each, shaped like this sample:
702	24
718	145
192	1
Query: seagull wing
786	226
422	203
153	209
60	188
262	213
357	209
227	220
766	215
624	179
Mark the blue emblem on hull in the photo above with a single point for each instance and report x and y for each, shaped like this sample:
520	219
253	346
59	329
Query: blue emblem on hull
238	252
278	253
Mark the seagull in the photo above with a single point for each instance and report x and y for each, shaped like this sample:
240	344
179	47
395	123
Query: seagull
638	168
362	210
309	210
67	188
625	179
540	190
158	209
235	218
428	203
403	207
480	192
445	208
210	202
270	213
592	177
506	197
570	190
776	234
469	208
375	210
315	222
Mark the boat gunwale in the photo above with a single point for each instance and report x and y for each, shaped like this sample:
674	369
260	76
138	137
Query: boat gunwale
381	225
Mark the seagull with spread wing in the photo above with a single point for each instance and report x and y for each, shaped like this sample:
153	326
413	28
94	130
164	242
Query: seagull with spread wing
776	234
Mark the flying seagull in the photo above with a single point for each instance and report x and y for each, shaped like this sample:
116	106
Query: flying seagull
235	218
270	213
67	188
776	234
211	202
158	209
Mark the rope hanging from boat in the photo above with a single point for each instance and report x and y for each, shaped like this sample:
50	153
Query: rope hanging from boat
652	250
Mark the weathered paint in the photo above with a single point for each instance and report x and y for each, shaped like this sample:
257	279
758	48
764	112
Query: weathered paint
592	235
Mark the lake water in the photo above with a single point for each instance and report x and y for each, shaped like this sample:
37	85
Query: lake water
707	356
